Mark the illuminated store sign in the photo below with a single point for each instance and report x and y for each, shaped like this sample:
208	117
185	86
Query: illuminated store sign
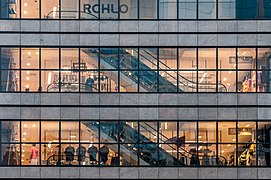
232	131
105	8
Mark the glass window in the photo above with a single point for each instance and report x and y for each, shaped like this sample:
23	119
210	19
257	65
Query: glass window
50	81
69	58
128	81
187	81
30	9
89	59
128	9
247	81
108	154
50	9
246	9
226	155
30	131
167	58
207	132
89	131
227	58
129	132
9	58
188	131
109	58
128	155
246	132
226	9
207	81
69	155
187	58
69	131
30	81
89	9
226	132
148	131
148	81
109	9
49	154
227	81
10	80
187	9
168	132
10	9
50	58
168	81
49	131
30	154
148	58
246	58
109	131
128	59
89	81
10	131
69	9
207	9
207	58
167	9
30	58
147	9
10	154
108	81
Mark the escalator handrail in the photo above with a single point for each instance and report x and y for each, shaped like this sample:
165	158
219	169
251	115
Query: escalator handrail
179	74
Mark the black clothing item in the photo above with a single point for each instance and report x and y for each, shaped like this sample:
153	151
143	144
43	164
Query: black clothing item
81	152
104	154
194	160
69	152
92	151
89	84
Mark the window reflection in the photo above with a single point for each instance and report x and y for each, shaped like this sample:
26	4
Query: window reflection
167	9
187	9
207	9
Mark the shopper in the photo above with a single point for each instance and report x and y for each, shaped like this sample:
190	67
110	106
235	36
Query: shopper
34	155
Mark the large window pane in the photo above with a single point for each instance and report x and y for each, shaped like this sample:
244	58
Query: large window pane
246	9
109	58
30	81
226	155
168	81
88	59
147	9
89	9
226	9
128	9
207	9
109	9
30	58
148	58
69	9
109	81
167	9
148	81
69	131
128	59
247	81
207	132
187	58
50	9
49	131
246	58
30	131
129	81
50	58
187	132
9	80
9	58
187	81
30	154
10	131
187	9
89	132
227	81
10	154
167	58
30	9
9	9
207	81
207	58
246	132
227	58
148	132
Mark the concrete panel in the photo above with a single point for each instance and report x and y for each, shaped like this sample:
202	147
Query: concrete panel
109	99
168	113
208	113
227	39
89	39
168	173
30	113
148	40
70	39
148	26
188	113
128	40
227	99
247	99
30	39
50	98
227	113
263	39
30	25
168	99
188	173
264	99
207	26
247	173
69	26
264	113
10	112
148	99
247	113
188	40
50	172
10	172
49	39
247	39
129	173
129	99
89	172
89	113
247	26
109	113
109	26
148	173
69	172
89	99
30	172
188	99
129	113
263	26
109	173
264	173
30	98
128	26
89	26
69	113
187	26
227	26
168	39
70	99
207	173
207	40
109	39
148	113
10	39
8	25
207	99
50	26
168	26
50	112
9	98
227	173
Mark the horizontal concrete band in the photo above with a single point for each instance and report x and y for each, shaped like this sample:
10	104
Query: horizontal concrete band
53	39
135	173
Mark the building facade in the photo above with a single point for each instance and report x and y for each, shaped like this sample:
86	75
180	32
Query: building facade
135	89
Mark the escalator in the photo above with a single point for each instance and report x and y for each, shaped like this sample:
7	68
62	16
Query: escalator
148	79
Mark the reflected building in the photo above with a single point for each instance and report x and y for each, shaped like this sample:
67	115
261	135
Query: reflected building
124	88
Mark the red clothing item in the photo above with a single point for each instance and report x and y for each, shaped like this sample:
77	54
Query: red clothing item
34	152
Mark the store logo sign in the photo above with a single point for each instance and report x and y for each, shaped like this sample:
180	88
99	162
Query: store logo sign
232	131
105	8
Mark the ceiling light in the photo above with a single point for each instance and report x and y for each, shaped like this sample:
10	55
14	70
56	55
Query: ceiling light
225	79
247	125
27	78
24	133
34	125
27	72
28	64
25	12
37	53
25	125
233	139
228	84
222	151
228	145
27	86
199	137
230	72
